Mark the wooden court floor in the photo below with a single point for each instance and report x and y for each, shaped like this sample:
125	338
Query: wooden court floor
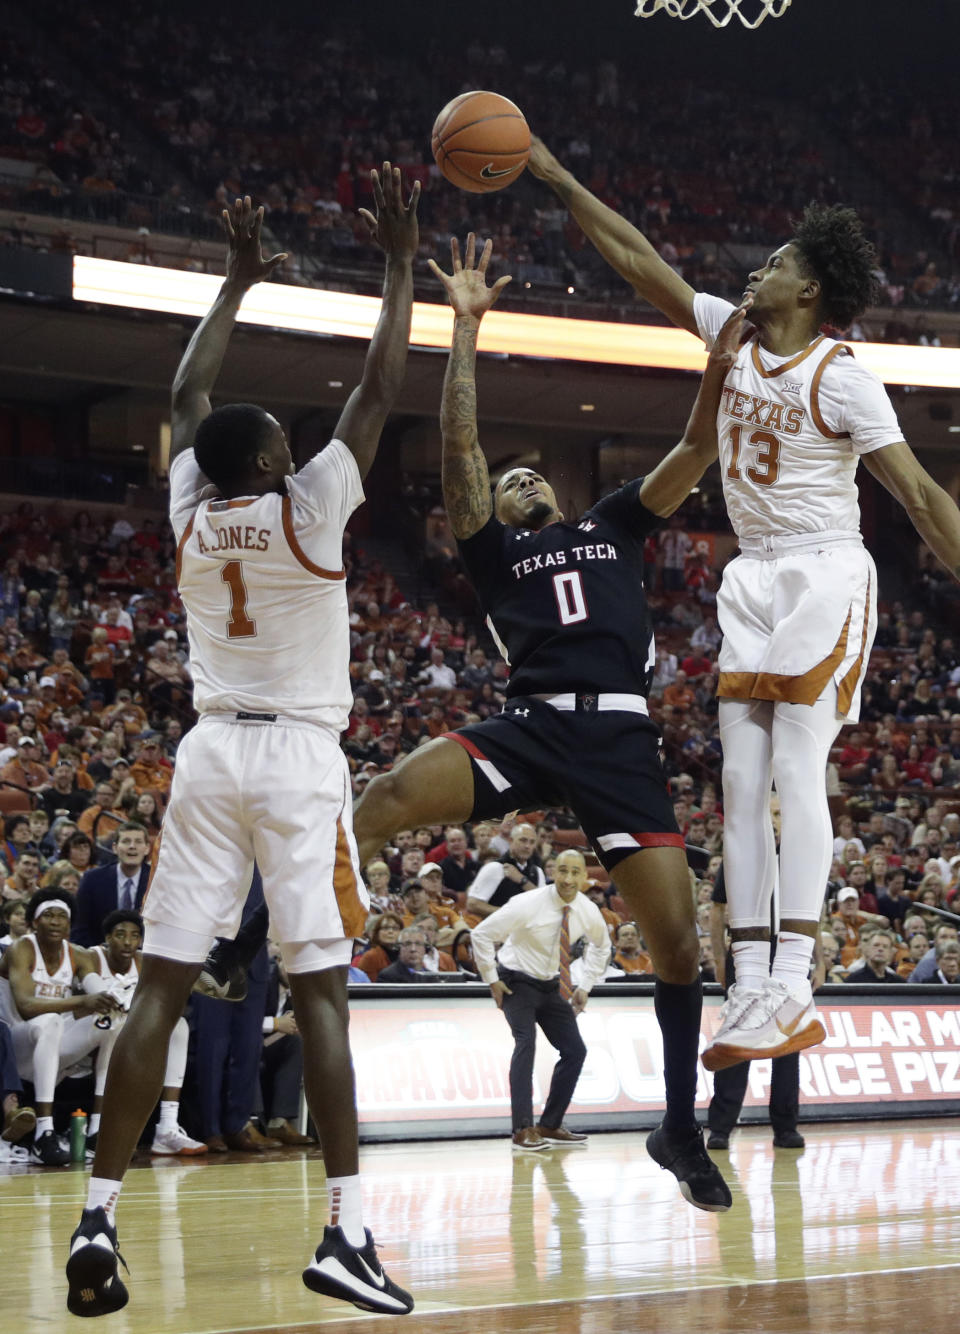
858	1234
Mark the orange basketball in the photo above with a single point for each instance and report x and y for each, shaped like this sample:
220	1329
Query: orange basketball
481	141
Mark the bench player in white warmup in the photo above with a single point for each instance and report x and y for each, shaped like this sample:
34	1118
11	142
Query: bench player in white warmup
117	962
262	775
798	606
52	998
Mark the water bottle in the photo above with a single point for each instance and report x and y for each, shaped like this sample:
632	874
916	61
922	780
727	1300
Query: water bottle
78	1136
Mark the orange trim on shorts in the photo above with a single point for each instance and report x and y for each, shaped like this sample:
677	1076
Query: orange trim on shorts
352	912
286	510
154	858
803	689
183	542
787	365
840	350
848	686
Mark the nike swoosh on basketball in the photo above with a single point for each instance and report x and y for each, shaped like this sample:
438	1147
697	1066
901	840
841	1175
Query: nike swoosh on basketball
377	1280
489	172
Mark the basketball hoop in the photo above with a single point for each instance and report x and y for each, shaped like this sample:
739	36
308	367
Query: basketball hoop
751	13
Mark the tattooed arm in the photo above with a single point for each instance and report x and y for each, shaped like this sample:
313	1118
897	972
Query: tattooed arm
466	482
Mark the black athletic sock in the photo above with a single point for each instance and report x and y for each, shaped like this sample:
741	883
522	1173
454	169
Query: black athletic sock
678	1007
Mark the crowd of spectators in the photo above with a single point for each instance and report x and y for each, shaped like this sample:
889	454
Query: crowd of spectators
299	122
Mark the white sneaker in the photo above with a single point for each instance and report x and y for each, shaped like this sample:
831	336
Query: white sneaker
773	1021
176	1141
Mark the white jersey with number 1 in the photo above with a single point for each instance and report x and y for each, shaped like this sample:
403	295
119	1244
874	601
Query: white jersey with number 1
262	778
263	584
798	606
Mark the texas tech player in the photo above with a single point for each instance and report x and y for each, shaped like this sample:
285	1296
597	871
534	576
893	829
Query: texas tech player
566	602
262	774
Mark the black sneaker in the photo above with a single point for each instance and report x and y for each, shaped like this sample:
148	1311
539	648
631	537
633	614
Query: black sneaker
50	1149
717	1140
90	1148
222	977
684	1155
354	1274
95	1285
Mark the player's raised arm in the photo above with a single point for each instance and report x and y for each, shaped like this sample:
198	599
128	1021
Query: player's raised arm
200	364
670	482
622	245
466	482
394	228
932	512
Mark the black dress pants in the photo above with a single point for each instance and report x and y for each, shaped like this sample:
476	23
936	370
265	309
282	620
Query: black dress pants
534	1002
730	1085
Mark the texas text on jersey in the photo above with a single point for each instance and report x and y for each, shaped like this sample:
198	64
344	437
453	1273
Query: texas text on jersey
566	604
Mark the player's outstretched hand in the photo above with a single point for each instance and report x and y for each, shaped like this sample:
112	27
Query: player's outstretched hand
724	350
246	265
466	286
394	226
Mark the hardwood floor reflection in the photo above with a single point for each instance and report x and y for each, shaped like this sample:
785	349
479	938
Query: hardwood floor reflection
847	1236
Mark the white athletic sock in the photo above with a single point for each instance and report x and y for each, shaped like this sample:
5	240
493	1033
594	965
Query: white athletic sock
751	962
791	963
103	1193
346	1208
168	1116
44	1123
94	1123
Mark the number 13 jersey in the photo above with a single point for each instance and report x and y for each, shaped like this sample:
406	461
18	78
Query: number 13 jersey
263	584
791	432
566	604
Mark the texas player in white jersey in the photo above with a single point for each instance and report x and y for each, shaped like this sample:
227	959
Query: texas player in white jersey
117	963
797	607
51	998
261	776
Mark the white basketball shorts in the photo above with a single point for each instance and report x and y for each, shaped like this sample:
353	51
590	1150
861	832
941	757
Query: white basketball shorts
796	622
274	792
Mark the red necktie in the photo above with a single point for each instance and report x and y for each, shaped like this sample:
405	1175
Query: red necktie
566	985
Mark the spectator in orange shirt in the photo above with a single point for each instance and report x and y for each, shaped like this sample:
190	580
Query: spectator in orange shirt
384	948
917	947
99	661
102	816
435	960
150	771
850	917
22	880
598	895
416	901
678	695
125	711
26	770
627	952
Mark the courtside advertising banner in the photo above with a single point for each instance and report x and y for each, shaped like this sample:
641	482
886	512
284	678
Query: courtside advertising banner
439	1064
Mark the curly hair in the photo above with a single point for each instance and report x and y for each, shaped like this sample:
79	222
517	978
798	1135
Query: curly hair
834	249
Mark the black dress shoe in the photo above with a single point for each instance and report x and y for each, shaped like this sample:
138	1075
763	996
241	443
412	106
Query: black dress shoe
718	1141
788	1139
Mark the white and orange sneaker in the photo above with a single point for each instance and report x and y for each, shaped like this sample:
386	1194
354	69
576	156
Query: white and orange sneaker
763	1023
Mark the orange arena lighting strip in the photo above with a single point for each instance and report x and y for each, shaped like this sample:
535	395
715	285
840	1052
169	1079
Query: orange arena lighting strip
343	315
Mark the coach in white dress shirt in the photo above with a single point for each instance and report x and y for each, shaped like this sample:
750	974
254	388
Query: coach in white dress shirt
531	984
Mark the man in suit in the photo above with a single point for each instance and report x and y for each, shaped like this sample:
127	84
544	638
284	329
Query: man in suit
229	1043
104	889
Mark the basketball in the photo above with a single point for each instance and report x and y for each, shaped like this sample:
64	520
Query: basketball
481	141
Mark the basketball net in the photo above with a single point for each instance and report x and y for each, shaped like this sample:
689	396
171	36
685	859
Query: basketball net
751	13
